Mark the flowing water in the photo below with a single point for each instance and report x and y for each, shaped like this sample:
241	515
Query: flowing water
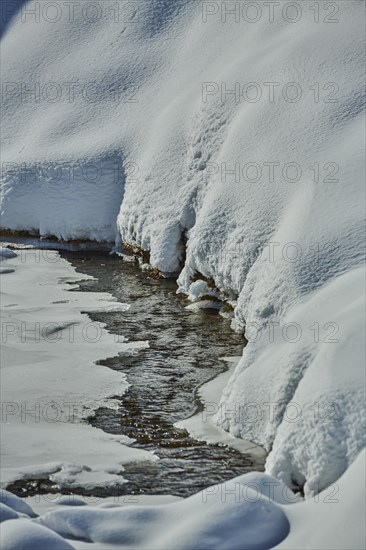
185	351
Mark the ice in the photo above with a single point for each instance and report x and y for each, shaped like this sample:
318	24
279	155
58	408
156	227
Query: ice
50	380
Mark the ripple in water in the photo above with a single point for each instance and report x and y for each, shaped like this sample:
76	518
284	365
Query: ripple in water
184	353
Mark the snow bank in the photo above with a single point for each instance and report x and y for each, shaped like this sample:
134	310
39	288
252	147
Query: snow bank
242	513
70	200
241	143
251	512
15	503
334	519
202	426
303	393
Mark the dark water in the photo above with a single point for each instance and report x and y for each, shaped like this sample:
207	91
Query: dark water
185	351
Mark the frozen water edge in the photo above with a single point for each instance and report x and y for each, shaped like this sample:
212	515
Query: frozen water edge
50	382
178	200
202	425
251	512
214	518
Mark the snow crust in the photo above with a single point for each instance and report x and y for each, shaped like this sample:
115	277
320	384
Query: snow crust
286	245
50	383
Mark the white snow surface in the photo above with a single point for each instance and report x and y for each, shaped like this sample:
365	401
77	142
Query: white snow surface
49	380
252	511
282	235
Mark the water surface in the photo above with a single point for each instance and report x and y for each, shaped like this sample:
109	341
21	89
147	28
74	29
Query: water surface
186	350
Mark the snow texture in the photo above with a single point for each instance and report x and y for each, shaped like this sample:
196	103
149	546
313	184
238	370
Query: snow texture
260	191
50	383
251	512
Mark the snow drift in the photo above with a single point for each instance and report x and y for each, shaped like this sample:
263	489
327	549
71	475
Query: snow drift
252	511
240	139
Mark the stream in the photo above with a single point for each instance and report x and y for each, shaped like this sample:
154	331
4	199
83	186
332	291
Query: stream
186	350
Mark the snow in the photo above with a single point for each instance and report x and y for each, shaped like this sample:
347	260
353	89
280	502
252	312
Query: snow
6	253
335	519
49	380
15	503
24	535
202	426
7	513
199	289
304	398
56	192
42	504
264	196
252	511
206	520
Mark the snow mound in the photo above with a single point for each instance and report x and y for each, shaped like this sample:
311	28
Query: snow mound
6	253
15	503
303	395
333	520
236	514
73	500
7	513
25	535
251	512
